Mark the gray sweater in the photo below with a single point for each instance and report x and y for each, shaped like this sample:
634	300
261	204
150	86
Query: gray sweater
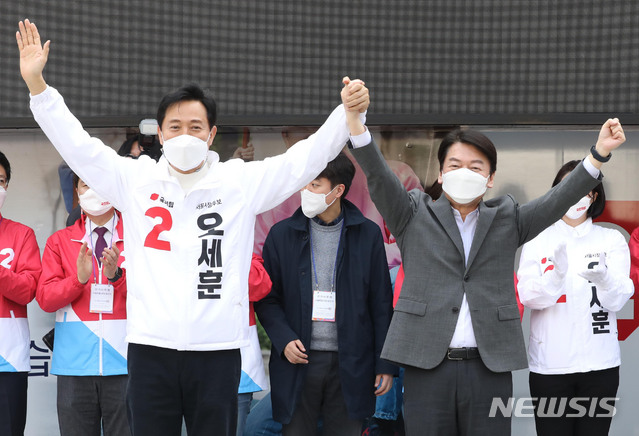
324	244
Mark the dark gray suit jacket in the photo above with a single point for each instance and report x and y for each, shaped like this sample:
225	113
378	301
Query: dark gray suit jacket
436	275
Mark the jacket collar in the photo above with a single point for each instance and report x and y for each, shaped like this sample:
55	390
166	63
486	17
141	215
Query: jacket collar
442	209
352	217
484	221
581	230
160	171
78	229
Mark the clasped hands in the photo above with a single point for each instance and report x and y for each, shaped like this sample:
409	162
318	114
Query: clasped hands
598	274
84	263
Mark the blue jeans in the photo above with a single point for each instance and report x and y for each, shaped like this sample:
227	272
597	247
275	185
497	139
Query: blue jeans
389	405
260	420
243	408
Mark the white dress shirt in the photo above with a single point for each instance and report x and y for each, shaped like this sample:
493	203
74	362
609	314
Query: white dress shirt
464	335
108	235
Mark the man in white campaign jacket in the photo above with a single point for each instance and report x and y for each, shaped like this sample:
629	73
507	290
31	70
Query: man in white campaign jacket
19	272
189	234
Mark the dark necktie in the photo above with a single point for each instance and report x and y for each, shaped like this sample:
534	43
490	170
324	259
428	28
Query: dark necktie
100	243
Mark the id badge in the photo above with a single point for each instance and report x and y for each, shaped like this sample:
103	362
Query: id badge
323	306
101	298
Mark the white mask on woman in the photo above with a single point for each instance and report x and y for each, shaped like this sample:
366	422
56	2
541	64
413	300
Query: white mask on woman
185	152
92	203
578	210
3	195
463	185
314	204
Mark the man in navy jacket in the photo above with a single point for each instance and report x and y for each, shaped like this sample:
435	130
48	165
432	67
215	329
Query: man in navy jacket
329	310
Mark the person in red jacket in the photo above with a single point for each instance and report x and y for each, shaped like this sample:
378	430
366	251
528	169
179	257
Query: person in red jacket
253	378
19	273
89	294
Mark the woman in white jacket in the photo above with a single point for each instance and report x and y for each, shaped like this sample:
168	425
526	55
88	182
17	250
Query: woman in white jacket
575	277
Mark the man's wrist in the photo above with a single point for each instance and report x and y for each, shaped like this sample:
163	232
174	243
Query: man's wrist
36	85
117	276
592	166
362	139
598	156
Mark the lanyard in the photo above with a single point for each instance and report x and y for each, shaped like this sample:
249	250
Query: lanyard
95	279
310	232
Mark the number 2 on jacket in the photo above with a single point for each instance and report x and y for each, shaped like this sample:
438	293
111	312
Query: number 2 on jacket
6	262
153	238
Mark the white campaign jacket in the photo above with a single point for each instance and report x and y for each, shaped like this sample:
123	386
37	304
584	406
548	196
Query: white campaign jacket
188	255
574	328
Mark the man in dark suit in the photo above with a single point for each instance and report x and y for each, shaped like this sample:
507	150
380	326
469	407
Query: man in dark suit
328	311
456	326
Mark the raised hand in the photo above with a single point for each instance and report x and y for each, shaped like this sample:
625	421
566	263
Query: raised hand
355	99
355	95
85	263
560	265
247	153
109	261
33	56
599	274
611	136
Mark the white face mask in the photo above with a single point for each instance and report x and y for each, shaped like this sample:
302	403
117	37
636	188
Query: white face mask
3	195
185	152
314	204
463	185
578	210
93	204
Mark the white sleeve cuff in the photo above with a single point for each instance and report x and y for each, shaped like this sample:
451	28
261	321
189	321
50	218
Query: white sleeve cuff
594	172
362	139
42	95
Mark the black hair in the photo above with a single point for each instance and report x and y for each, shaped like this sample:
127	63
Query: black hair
6	165
597	206
190	92
435	190
470	137
339	171
125	148
76	180
154	150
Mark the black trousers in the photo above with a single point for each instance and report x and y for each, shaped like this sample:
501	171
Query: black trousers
590	387
166	385
92	405
455	398
13	403
322	396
